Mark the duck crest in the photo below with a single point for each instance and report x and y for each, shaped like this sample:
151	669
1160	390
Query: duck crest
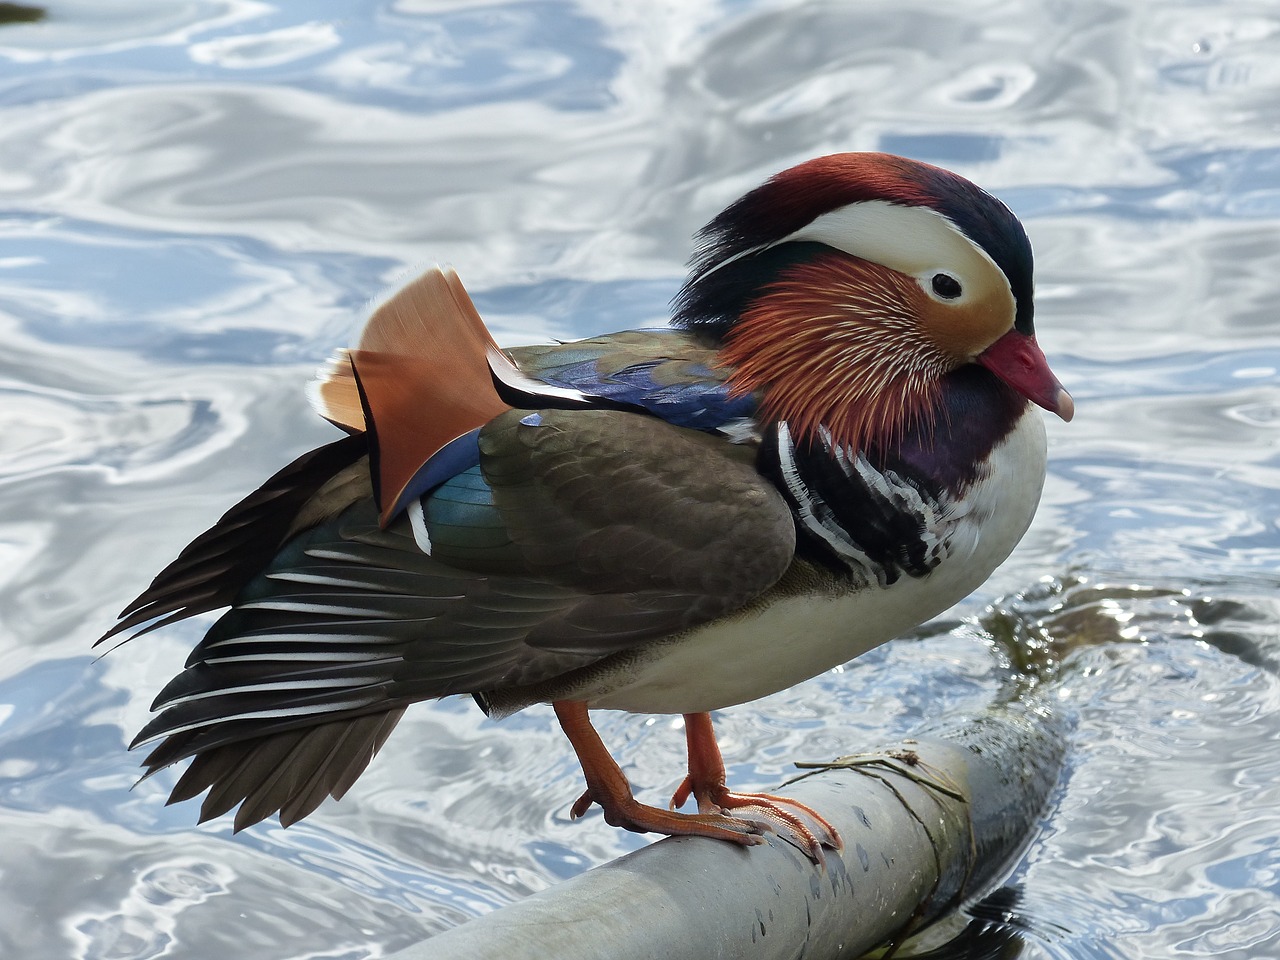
750	234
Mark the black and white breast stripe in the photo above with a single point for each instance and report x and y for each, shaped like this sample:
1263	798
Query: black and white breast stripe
876	524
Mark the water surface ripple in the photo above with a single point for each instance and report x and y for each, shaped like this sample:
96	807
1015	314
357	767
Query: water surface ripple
199	200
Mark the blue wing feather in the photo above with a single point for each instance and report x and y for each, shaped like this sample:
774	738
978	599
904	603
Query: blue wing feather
701	404
673	382
459	454
660	371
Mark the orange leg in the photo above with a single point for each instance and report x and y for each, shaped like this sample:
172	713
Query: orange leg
607	786
705	783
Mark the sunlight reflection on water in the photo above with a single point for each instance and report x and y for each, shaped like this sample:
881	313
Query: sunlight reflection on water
201	199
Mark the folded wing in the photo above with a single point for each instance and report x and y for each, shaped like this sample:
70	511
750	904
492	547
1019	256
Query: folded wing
579	535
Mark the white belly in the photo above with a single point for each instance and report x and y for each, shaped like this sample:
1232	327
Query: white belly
743	658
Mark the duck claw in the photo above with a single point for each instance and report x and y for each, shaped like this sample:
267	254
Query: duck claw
790	819
637	817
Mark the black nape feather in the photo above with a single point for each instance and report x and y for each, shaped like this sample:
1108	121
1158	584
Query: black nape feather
721	288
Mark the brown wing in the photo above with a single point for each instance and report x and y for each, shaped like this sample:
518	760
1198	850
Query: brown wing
588	532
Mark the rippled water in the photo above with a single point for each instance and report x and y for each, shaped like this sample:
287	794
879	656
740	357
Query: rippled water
198	200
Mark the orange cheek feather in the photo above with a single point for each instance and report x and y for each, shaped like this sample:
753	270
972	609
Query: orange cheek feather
838	342
964	332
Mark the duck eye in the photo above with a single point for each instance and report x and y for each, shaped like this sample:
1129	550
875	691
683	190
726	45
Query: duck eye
946	286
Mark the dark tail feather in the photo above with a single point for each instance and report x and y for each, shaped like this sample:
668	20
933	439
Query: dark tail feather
217	564
290	772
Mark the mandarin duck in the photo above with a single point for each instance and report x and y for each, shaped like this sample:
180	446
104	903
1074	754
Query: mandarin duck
832	442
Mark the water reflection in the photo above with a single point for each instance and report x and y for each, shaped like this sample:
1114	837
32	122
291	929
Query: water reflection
200	199
186	300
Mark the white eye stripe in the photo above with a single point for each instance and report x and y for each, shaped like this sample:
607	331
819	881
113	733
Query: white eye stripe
917	241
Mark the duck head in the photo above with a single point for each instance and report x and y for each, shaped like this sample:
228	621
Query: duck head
844	290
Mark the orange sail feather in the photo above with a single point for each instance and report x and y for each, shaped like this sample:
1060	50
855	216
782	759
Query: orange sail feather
418	379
